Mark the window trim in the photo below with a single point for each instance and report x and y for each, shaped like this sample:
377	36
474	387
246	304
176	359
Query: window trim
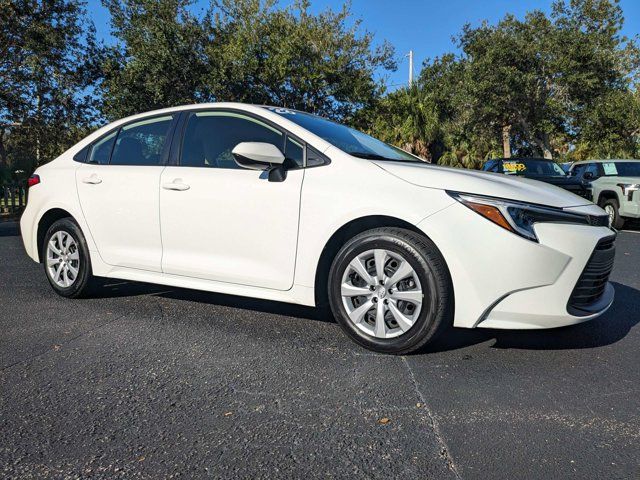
164	157
176	155
187	115
175	136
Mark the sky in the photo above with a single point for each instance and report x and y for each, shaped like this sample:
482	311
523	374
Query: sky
424	26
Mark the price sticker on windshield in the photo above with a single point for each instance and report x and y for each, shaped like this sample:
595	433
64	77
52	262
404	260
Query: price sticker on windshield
610	168
514	167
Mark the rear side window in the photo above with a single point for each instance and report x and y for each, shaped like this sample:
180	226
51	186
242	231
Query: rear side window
210	137
622	169
142	143
101	150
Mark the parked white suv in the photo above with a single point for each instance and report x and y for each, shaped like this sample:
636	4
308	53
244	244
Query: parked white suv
283	205
614	185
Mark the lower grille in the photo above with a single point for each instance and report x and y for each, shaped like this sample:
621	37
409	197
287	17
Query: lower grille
594	278
599	221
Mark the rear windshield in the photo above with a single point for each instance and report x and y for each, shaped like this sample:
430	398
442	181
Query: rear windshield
621	169
346	139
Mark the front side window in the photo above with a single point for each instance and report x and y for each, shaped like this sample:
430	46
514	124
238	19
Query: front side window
210	137
346	139
142	143
592	168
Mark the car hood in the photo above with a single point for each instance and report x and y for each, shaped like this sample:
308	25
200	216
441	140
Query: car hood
631	180
482	183
556	180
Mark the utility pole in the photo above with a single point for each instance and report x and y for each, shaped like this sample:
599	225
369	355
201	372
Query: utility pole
410	68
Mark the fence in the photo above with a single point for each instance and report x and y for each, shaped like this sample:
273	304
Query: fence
13	198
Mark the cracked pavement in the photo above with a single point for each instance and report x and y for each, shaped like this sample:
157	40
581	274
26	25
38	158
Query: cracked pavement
145	381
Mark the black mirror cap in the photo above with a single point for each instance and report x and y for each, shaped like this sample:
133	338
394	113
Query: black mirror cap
277	173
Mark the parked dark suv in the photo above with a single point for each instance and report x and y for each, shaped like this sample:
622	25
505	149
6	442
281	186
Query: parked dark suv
540	169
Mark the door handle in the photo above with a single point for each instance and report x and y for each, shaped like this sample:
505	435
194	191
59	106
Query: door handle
92	180
176	185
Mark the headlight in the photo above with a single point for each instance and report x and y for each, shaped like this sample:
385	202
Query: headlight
520	217
628	189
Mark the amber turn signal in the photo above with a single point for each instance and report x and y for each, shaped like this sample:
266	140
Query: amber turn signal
490	213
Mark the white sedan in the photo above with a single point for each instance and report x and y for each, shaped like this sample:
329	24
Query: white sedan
283	205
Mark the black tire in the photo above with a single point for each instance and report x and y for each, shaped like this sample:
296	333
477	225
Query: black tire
426	260
618	221
82	283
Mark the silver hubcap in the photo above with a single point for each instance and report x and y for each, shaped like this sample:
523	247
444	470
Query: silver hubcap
381	293
63	259
612	213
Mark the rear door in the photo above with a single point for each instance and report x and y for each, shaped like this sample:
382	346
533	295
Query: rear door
118	189
223	222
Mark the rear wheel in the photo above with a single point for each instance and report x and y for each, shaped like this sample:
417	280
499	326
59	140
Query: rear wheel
390	290
66	259
612	208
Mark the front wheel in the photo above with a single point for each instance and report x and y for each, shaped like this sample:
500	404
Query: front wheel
66	259
612	208
390	290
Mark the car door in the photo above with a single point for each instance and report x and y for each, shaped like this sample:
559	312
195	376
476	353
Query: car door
118	190
223	222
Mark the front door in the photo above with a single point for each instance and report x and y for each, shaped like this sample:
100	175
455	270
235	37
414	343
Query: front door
225	223
118	189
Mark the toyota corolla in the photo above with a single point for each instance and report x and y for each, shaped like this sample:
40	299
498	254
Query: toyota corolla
283	205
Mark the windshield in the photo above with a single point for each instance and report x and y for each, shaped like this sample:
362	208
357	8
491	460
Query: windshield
346	139
532	167
622	169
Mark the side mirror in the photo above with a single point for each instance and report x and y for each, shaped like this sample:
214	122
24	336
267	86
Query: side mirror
257	155
588	175
261	156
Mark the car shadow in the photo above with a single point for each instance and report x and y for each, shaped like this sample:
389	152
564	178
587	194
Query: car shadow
108	288
610	328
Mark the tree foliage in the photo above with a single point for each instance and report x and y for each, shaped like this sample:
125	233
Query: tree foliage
291	58
241	50
47	66
559	84
159	58
548	85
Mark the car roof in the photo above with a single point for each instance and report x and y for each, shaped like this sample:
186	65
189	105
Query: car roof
582	162
517	159
262	110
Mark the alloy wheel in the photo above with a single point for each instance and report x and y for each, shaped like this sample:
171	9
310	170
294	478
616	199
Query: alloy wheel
63	259
381	293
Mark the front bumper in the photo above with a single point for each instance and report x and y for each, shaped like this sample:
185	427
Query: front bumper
630	205
502	280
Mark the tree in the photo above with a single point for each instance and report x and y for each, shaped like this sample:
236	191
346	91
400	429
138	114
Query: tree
418	118
159	58
541	79
288	57
47	64
240	50
546	85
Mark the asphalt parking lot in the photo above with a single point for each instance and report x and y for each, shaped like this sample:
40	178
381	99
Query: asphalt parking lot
148	381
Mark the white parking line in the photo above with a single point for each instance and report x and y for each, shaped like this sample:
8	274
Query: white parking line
630	231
